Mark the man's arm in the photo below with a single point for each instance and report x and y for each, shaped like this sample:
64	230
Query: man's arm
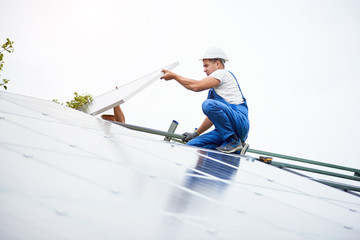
191	84
203	127
119	115
207	123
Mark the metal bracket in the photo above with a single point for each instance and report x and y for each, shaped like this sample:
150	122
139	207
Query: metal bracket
172	129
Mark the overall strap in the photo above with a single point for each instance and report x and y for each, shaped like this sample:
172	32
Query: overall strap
238	85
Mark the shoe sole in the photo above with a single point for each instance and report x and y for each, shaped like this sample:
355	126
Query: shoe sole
244	149
231	150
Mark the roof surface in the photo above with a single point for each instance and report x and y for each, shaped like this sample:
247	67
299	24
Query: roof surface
65	174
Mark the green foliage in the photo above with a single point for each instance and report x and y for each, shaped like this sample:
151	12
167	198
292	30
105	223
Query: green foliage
6	47
57	101
78	101
3	83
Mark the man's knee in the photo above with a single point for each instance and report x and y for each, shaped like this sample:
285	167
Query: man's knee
208	105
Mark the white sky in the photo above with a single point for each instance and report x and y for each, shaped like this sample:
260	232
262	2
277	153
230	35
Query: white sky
298	63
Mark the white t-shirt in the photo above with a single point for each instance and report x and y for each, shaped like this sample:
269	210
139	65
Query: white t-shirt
228	88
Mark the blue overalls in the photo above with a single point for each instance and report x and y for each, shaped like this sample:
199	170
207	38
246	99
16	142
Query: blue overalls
227	118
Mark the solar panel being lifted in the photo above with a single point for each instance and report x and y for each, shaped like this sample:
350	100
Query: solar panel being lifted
122	94
65	174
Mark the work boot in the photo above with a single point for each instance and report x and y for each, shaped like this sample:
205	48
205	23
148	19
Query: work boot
230	146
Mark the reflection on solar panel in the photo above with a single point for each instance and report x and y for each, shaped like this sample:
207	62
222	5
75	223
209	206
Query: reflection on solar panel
122	94
65	174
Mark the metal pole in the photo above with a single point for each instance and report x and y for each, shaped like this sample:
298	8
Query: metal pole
339	185
286	165
150	130
303	160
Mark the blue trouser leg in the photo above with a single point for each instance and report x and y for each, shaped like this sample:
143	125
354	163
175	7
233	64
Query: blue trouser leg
210	140
226	119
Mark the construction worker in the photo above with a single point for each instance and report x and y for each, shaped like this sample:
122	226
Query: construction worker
225	107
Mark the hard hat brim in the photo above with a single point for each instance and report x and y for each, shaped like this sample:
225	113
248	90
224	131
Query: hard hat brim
226	60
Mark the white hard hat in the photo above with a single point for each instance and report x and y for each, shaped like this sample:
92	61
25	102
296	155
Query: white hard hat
213	53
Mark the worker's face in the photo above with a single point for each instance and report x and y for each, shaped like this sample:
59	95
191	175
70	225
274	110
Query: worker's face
209	66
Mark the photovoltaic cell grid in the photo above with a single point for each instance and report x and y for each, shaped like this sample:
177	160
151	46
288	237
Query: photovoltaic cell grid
65	174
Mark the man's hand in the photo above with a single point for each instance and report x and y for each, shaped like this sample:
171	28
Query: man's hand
189	136
168	75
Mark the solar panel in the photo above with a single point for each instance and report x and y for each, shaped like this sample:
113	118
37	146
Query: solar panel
122	94
65	174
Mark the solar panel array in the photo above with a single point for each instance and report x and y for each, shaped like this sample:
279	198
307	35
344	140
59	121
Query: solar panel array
65	174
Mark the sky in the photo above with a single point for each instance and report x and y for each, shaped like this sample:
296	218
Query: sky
297	62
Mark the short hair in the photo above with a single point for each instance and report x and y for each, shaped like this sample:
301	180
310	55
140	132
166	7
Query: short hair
216	59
